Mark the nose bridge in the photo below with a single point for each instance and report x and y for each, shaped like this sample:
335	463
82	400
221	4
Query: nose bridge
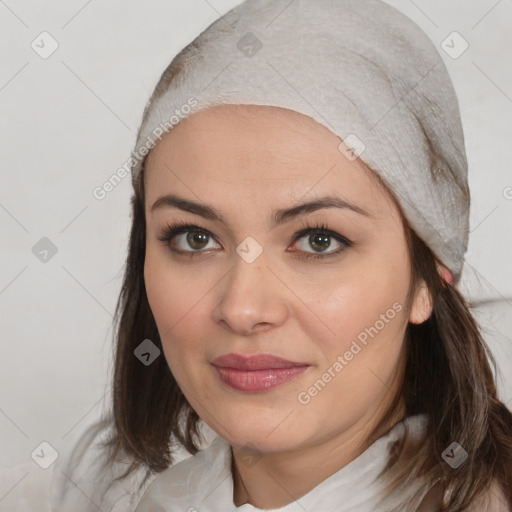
249	266
247	280
251	295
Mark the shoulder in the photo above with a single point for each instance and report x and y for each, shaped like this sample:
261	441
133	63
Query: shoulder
202	478
84	480
82	476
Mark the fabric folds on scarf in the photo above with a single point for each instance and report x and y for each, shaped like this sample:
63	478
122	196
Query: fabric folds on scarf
359	67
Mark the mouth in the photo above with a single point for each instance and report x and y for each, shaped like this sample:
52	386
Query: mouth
255	362
257	373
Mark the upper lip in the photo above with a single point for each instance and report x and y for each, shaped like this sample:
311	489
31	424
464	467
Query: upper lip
256	362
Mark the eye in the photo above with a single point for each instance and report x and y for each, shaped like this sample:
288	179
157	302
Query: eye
320	239
192	240
196	238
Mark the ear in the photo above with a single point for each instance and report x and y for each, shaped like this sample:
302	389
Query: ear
421	308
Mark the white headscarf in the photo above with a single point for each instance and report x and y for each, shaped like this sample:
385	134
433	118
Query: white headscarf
359	67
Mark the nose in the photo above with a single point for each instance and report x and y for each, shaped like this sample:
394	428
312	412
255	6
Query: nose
251	299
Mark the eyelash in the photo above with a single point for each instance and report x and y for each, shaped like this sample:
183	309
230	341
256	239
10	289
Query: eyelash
171	230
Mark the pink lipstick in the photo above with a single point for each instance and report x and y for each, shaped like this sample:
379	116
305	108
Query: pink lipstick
256	373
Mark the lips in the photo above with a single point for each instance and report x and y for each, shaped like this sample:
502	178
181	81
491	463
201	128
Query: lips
261	372
256	362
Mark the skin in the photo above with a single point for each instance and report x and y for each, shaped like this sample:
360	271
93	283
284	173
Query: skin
247	161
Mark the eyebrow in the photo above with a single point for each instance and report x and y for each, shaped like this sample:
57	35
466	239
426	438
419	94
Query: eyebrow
280	216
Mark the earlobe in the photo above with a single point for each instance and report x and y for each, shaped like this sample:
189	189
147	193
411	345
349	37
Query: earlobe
445	274
422	305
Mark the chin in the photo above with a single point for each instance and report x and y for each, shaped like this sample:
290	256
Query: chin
263	437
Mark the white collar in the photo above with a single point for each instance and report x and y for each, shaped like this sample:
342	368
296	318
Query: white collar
204	482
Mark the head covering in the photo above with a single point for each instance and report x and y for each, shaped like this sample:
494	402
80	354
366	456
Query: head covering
359	67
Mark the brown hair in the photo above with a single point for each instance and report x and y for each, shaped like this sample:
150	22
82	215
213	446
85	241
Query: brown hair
447	377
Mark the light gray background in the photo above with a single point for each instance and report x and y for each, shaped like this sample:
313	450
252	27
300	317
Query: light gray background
70	121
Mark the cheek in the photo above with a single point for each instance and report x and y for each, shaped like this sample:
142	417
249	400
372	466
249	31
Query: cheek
168	298
161	289
359	326
357	364
346	306
178	304
172	290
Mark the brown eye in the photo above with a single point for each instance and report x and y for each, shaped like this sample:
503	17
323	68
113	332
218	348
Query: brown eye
186	239
319	239
319	242
197	239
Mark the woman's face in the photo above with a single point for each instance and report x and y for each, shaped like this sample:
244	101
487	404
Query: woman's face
246	283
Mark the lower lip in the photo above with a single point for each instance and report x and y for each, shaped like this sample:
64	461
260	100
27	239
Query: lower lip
258	380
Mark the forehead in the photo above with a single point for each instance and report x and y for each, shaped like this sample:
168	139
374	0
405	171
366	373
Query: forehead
249	134
256	151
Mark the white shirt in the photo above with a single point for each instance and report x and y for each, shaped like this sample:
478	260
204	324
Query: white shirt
204	482
80	481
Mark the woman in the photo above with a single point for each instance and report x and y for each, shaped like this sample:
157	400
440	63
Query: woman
290	334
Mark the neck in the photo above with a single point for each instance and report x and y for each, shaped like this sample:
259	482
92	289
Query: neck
278	479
